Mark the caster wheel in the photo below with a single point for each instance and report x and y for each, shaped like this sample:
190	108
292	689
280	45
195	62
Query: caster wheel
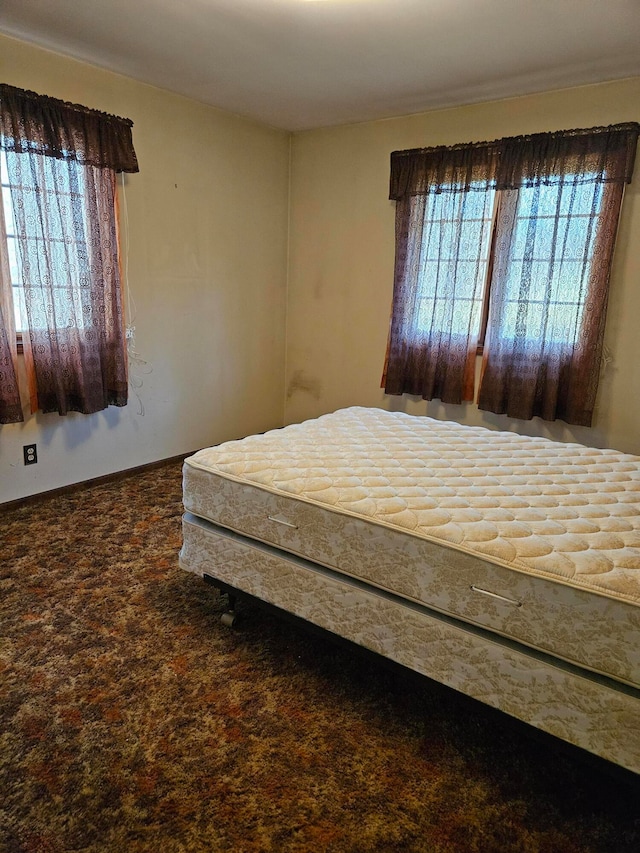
228	619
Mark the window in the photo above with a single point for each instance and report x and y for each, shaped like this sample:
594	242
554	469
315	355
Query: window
454	258
506	244
59	267
48	229
553	242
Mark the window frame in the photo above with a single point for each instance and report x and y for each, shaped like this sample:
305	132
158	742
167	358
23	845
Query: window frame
5	191
486	294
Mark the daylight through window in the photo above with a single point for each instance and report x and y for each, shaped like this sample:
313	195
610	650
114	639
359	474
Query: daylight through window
507	244
59	267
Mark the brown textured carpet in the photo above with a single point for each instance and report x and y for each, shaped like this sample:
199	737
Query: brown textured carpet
132	720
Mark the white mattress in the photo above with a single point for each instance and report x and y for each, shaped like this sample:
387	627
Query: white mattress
532	539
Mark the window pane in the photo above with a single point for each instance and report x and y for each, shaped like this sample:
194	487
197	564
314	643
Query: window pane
550	259
452	263
51	246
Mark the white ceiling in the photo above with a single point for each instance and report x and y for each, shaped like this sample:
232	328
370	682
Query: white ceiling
300	64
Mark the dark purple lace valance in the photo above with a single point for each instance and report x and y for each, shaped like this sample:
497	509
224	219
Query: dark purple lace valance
599	154
54	128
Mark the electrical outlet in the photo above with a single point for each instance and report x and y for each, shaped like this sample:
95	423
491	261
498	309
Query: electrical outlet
30	454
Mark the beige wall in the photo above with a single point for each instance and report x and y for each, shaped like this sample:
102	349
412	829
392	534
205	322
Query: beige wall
208	228
341	262
207	235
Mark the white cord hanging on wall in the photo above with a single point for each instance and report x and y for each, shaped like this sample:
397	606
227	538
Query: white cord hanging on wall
138	367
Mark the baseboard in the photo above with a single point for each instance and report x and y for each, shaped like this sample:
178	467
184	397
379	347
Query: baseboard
83	484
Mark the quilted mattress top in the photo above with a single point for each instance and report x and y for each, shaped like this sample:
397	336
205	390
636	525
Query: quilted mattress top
562	511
